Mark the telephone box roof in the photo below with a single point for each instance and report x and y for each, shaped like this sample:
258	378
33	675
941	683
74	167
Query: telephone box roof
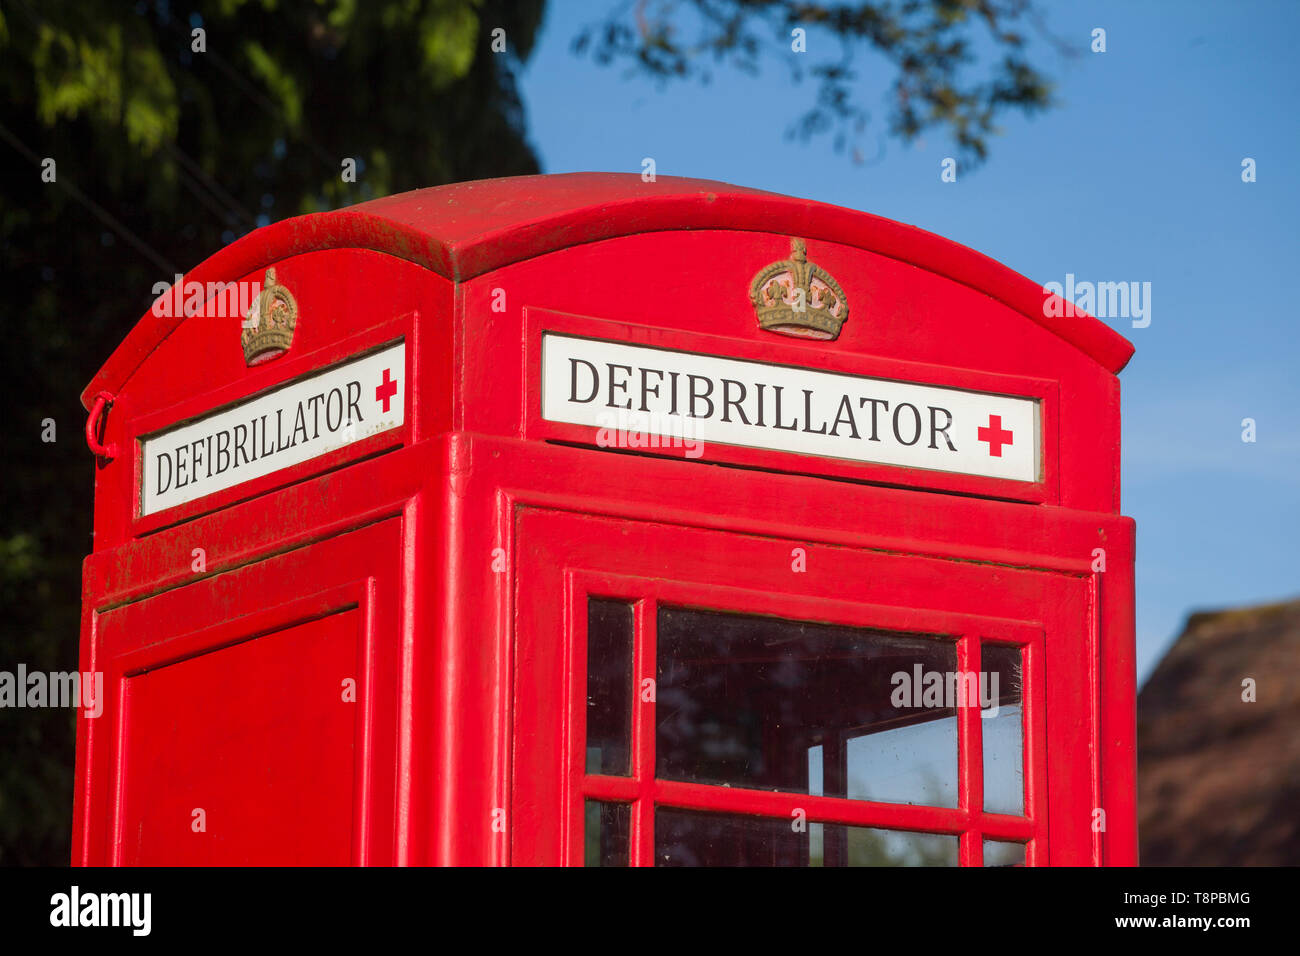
465	229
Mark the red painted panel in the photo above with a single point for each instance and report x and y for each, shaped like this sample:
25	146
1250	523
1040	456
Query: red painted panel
690	291
464	230
234	683
244	755
349	301
489	481
1044	390
565	559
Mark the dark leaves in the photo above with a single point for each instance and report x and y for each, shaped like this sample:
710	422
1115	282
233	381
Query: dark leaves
940	82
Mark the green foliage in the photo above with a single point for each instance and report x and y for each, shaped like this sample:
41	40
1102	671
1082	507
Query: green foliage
163	155
115	78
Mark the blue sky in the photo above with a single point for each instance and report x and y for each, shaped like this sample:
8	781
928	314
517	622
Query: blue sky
1134	176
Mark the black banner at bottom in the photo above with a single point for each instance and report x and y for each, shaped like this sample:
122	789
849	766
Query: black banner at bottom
211	905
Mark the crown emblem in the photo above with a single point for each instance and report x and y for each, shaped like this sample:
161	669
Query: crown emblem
796	297
268	327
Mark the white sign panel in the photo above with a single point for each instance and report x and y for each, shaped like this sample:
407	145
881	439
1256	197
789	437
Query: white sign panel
293	423
644	397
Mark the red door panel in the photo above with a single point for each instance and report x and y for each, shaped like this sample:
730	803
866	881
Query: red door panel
237	733
693	696
271	727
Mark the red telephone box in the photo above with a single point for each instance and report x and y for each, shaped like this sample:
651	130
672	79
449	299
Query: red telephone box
579	519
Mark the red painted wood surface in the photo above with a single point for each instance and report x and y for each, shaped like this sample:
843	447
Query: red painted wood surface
436	554
567	559
264	771
230	696
468	229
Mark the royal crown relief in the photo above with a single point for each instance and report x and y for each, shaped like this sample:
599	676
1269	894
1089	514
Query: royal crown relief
267	329
798	298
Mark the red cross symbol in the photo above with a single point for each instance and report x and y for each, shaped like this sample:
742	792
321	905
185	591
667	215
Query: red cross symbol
386	390
994	435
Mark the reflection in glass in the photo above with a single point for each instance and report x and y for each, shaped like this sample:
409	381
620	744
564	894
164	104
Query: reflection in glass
1004	765
609	686
773	704
607	829
697	838
998	853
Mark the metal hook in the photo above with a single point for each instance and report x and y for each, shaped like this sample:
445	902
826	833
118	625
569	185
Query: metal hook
102	401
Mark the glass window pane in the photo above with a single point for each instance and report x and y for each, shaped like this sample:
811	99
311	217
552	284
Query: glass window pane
816	845
908	765
609	687
998	853
608	826
1000	700
697	838
873	847
772	704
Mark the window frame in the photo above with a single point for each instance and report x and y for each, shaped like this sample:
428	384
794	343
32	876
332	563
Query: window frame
644	791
